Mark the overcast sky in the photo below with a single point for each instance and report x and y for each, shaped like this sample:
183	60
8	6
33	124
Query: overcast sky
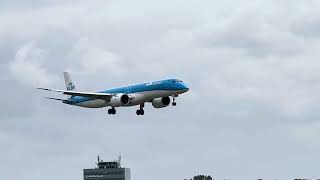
253	68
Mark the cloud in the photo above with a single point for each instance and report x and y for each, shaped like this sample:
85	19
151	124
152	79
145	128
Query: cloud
28	66
254	30
253	79
307	134
307	26
92	59
304	21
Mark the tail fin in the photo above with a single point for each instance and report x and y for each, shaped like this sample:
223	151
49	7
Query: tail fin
69	84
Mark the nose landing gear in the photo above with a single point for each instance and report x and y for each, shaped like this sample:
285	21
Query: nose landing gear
174	100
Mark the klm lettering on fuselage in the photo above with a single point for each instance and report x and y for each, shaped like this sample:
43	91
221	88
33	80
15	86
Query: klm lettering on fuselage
153	83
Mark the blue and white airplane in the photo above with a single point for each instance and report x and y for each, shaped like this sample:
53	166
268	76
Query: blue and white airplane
157	92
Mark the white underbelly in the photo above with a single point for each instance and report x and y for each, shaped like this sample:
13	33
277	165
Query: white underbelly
142	97
138	98
96	103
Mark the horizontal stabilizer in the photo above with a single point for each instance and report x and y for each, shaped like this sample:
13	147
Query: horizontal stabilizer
63	100
55	99
93	95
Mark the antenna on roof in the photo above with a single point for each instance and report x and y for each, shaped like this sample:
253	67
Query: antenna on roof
119	161
98	160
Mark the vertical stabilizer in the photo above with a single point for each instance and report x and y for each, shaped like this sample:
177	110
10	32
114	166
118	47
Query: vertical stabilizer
69	84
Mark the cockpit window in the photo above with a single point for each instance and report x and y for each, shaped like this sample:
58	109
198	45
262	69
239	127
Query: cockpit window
176	81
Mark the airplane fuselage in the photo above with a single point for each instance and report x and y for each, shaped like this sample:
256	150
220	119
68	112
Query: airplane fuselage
139	94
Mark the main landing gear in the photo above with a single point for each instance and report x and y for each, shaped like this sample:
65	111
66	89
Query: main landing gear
140	111
112	111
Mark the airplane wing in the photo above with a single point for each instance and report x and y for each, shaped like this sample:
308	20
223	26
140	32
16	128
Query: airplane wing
93	95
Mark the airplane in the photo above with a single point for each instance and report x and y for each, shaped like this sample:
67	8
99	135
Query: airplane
158	93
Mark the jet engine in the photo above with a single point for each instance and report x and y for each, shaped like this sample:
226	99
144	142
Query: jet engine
161	102
120	100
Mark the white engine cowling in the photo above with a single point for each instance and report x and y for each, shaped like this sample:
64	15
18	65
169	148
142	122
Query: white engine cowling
120	100
161	102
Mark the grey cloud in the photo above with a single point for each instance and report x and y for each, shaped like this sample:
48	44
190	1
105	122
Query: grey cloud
307	27
255	31
253	99
306	24
27	66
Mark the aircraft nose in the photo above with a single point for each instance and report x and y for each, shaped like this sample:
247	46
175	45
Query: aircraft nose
185	87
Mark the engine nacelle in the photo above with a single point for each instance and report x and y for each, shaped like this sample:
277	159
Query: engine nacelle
120	100
161	102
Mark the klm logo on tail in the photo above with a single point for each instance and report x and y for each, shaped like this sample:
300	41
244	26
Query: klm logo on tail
71	86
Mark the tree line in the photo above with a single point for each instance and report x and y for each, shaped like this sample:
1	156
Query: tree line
201	177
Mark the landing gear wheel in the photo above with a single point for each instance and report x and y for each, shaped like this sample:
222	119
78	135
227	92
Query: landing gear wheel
112	111
140	112
174	103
